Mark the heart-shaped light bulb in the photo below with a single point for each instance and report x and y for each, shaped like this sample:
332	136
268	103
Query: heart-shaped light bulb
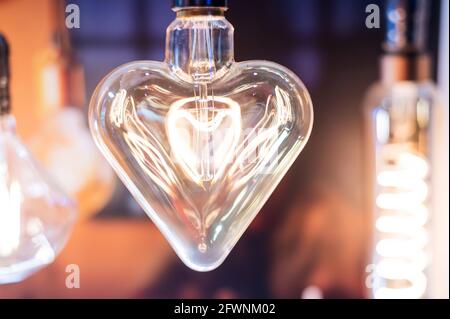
200	140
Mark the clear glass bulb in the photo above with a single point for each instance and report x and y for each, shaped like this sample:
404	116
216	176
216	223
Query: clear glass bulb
200	140
404	117
65	149
35	217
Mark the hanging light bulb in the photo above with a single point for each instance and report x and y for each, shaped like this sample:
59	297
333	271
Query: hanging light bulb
401	110
62	142
200	140
35	217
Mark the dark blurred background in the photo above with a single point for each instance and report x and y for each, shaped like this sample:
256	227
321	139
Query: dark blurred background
311	238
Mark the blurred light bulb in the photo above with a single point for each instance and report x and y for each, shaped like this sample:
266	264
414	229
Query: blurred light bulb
400	109
35	217
62	142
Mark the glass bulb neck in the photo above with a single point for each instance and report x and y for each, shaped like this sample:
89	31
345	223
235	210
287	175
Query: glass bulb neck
199	43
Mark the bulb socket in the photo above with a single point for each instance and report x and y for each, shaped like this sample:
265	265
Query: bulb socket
200	3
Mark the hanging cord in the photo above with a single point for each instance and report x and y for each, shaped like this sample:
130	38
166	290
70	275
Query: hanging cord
4	76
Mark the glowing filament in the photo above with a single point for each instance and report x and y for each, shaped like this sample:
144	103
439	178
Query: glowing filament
204	144
401	227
